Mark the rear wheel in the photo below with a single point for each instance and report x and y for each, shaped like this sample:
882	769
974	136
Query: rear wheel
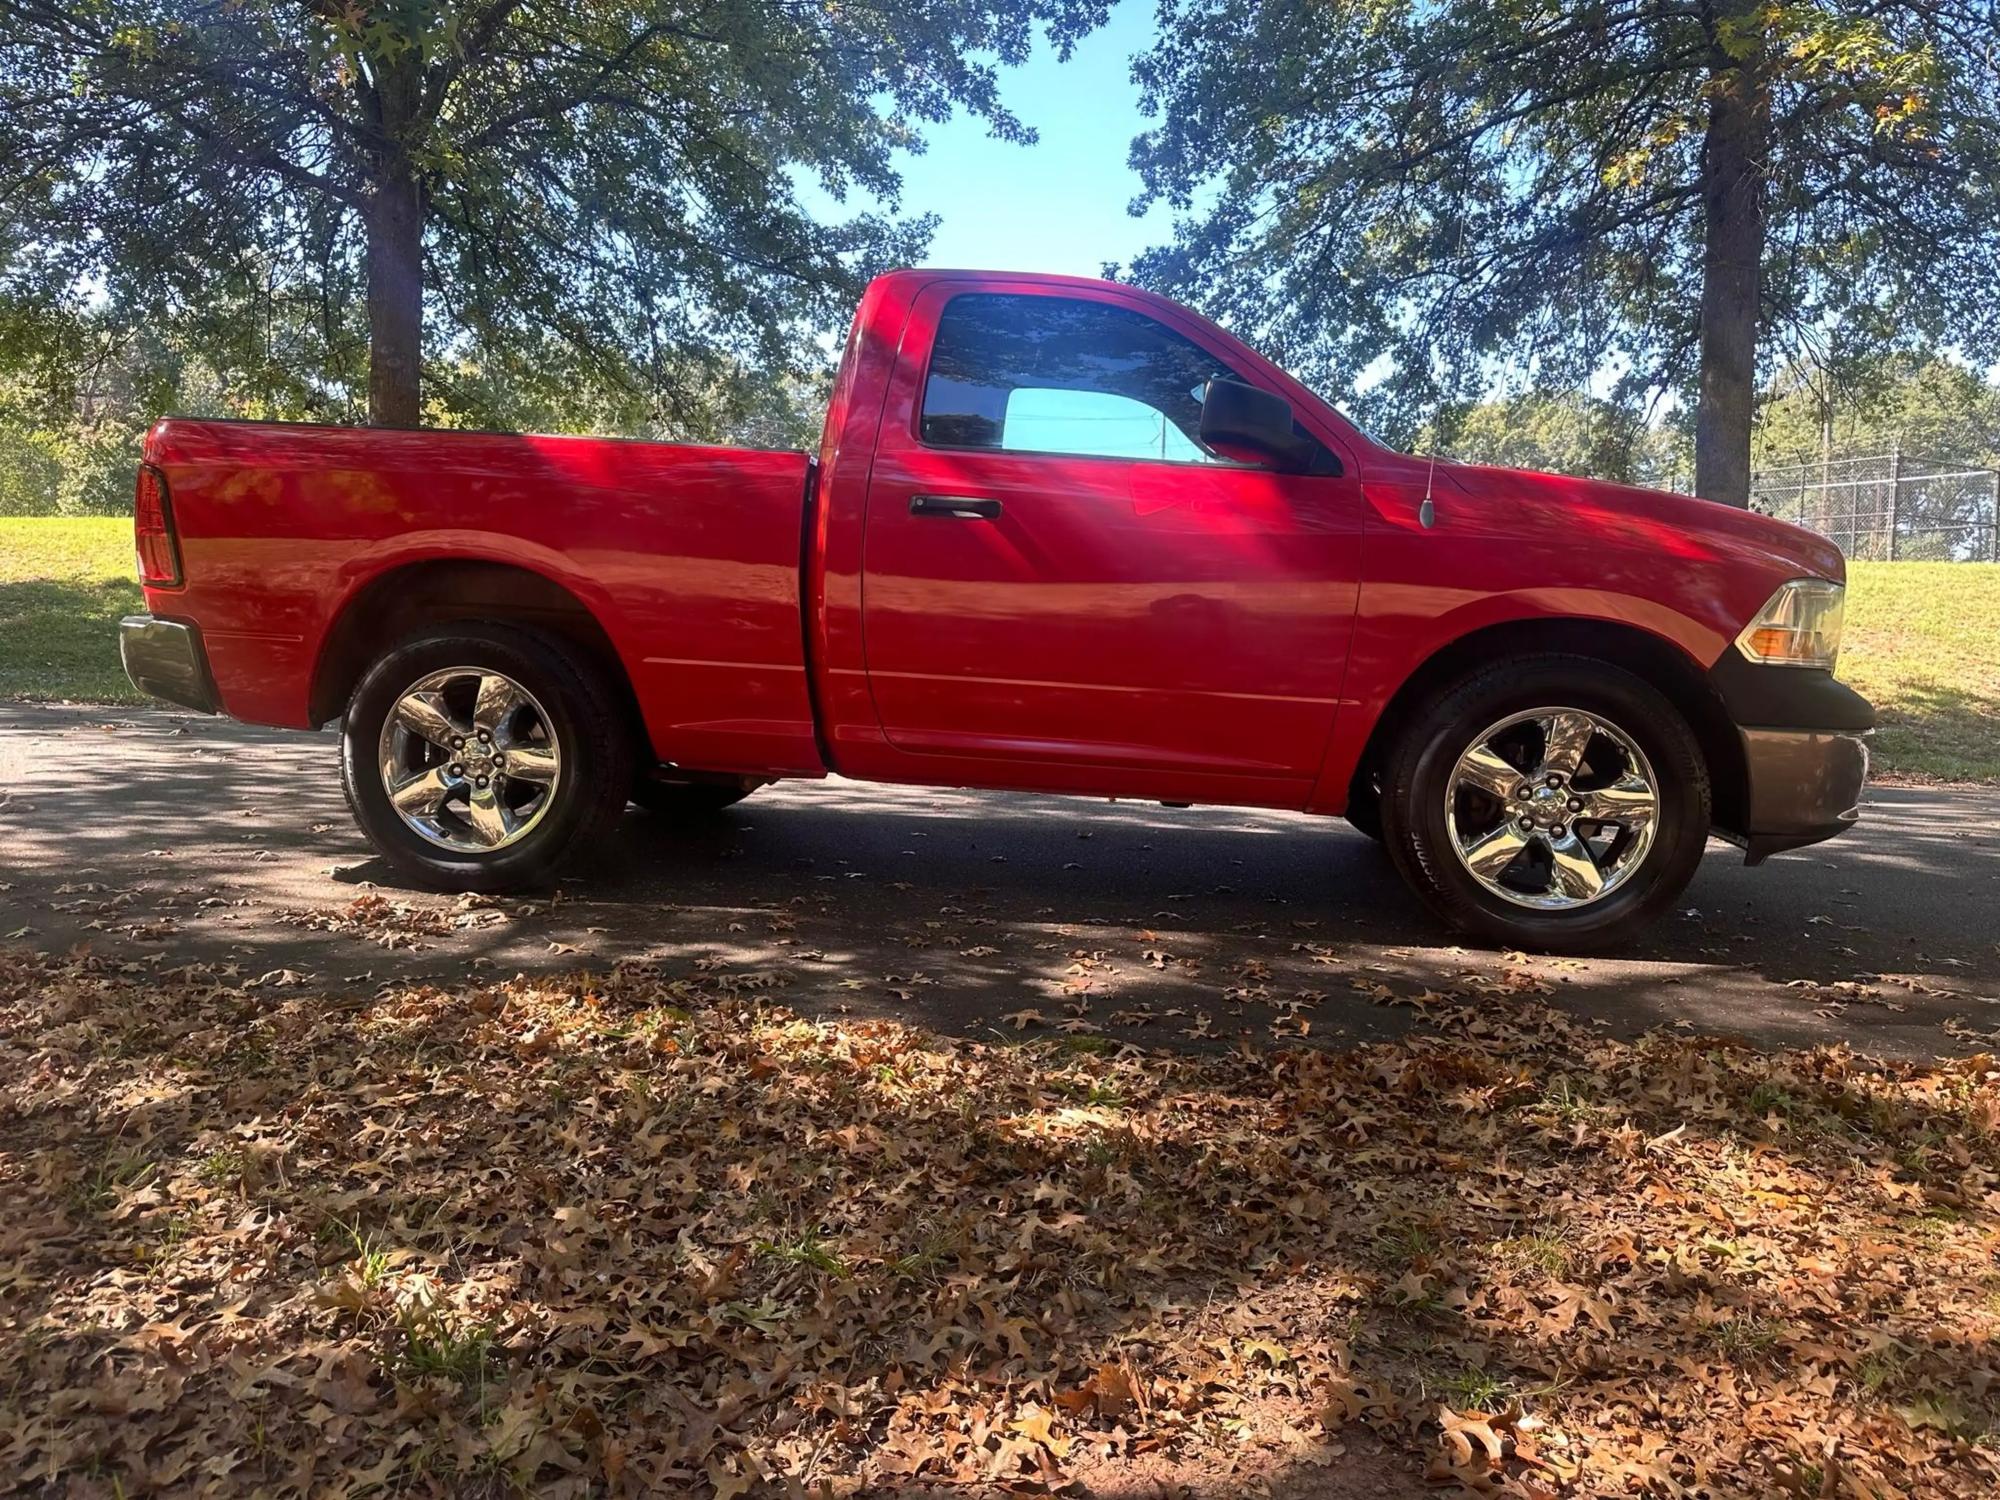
1551	802
480	757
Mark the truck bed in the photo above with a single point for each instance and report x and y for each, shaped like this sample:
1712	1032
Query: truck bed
686	557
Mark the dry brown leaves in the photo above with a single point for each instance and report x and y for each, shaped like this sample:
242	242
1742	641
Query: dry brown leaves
398	924
631	1232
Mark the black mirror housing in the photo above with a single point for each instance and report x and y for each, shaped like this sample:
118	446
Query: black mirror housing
1235	415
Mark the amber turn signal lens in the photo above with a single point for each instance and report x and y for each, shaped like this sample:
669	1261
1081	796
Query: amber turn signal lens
1799	626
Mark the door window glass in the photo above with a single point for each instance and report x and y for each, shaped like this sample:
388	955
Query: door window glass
1040	420
1063	375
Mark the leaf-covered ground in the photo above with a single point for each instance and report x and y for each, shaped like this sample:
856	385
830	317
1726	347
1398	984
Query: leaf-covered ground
640	1233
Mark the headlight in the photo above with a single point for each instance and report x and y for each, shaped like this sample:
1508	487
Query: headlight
1799	627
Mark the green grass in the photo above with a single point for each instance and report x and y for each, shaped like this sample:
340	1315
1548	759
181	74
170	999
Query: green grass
1923	644
1923	641
63	585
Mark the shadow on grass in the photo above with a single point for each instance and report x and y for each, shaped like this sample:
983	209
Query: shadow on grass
635	1231
1935	729
61	638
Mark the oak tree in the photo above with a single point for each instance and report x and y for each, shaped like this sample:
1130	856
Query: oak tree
1414	198
603	195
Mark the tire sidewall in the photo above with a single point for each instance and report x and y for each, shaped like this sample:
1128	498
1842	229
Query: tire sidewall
1415	812
536	667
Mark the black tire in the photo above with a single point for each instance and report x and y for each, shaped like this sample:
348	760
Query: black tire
590	732
1419	769
686	801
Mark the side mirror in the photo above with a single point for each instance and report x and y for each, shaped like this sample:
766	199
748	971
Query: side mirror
1234	415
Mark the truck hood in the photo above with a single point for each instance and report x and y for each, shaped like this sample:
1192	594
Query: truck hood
1651	516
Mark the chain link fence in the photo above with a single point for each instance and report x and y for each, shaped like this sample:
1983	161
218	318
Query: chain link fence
1889	506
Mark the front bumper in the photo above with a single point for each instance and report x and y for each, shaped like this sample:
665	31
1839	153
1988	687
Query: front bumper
1804	786
166	659
1805	753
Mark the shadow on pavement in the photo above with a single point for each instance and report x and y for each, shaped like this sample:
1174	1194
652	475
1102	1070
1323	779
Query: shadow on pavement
164	838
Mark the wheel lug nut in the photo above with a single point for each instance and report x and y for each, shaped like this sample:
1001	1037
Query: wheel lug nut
482	781
1558	831
1555	781
457	743
458	770
1576	804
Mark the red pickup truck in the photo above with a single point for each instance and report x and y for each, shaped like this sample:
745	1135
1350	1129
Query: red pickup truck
1060	536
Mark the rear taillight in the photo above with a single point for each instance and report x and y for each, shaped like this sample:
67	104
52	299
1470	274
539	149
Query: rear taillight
153	531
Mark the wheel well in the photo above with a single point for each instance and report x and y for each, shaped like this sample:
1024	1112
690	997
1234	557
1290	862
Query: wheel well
1658	661
406	599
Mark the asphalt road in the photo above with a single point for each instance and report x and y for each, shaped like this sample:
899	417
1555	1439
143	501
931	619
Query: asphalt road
160	838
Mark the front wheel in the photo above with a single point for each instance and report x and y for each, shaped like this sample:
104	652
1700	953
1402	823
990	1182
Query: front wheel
1550	802
480	757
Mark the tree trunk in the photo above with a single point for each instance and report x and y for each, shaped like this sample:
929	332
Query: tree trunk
395	217
1732	169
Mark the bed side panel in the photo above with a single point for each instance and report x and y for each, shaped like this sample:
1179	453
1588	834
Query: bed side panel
688	556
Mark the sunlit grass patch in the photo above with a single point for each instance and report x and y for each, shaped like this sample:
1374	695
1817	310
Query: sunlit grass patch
1923	645
64	585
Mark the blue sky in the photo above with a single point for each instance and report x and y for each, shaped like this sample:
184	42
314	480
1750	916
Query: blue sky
1057	206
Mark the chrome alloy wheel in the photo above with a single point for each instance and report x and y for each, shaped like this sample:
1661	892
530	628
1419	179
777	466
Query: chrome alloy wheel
469	760
1553	809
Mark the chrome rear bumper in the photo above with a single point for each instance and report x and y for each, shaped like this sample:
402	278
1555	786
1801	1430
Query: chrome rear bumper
166	659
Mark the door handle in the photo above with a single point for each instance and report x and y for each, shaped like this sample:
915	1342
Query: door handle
956	507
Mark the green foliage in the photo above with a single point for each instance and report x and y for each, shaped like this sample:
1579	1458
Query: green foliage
69	470
76	395
31	472
1931	406
1924	403
1415	192
612	230
1841	423
438	1344
1557	433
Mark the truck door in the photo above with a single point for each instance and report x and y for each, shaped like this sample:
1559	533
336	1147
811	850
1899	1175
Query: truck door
1055	571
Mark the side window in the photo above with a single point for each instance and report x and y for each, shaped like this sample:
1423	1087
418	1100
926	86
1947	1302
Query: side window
1062	375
